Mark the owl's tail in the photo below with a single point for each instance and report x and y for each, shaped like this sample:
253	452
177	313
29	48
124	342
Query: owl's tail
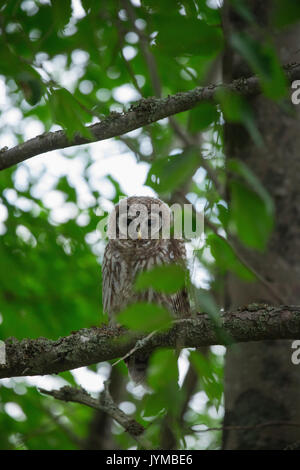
137	367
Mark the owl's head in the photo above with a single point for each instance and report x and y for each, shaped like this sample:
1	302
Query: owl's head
139	220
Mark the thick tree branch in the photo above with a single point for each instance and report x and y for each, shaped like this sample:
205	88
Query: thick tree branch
142	113
91	345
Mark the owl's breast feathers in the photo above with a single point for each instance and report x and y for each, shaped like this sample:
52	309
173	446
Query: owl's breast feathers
120	267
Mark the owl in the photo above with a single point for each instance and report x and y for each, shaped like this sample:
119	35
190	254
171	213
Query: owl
137	229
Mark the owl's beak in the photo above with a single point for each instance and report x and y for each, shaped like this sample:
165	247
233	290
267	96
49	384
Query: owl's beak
139	234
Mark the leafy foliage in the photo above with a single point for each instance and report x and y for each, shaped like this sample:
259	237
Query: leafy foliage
263	60
167	278
145	317
167	173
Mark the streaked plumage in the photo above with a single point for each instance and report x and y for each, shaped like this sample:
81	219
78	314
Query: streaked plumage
123	260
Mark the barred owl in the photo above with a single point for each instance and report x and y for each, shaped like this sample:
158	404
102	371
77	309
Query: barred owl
136	243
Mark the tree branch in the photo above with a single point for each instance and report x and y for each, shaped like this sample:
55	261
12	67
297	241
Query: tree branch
140	114
87	346
104	403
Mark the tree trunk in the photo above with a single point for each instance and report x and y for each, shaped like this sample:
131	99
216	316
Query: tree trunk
261	383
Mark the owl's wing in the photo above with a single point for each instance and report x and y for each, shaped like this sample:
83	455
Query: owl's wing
181	304
116	285
106	270
180	300
108	281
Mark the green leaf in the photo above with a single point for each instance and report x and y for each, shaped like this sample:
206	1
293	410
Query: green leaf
202	116
162	377
154	404
223	215
226	258
68	113
118	190
31	87
212	383
236	109
206	303
286	12
233	106
212	16
264	62
250	215
62	11
240	168
168	173
188	35
64	186
143	316
166	278
163	369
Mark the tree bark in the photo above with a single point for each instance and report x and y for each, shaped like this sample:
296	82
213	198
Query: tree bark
261	383
255	322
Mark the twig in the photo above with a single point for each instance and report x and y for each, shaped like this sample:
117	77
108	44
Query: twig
105	403
141	343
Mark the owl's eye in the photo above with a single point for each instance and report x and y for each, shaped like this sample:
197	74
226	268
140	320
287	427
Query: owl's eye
154	224
123	223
